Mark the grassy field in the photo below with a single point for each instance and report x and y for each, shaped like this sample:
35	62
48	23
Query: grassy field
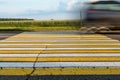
37	25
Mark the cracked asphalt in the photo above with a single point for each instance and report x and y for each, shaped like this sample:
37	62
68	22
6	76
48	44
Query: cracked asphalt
68	55
34	67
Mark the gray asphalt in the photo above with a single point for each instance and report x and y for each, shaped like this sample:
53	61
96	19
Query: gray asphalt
6	34
65	77
114	36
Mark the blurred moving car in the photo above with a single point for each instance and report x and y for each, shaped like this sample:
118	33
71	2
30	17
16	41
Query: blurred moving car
104	11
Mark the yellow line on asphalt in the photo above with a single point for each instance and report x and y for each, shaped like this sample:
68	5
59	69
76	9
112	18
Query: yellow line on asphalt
60	35
19	52
60	43
25	46
59	71
56	51
15	71
77	71
43	37
55	36
63	59
81	51
86	46
64	46
26	39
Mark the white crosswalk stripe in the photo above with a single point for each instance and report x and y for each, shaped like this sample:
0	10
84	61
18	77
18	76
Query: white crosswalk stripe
61	55
58	64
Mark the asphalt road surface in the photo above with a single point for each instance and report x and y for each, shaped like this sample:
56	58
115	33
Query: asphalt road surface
28	55
114	36
65	77
6	34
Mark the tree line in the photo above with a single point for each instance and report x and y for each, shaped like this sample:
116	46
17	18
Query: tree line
15	19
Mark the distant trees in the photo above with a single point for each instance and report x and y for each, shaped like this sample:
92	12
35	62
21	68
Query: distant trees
15	19
38	23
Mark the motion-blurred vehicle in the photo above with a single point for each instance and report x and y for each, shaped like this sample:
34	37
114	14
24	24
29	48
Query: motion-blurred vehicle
107	12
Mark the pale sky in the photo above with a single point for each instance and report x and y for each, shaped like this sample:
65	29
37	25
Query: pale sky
41	9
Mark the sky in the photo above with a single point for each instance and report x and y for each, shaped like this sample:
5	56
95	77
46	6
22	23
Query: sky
41	9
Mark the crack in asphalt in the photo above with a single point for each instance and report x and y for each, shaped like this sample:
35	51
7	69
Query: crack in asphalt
34	68
23	70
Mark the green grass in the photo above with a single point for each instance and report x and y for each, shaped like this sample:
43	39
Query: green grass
50	25
37	28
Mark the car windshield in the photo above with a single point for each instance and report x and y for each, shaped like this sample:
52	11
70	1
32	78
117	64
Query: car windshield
106	6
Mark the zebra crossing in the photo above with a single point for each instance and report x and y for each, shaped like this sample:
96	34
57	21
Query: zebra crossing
59	54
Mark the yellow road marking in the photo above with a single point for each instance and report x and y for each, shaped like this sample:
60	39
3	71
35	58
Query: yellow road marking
24	36
89	43
19	52
86	46
32	46
56	51
60	71
62	46
77	71
82	51
69	37
63	59
39	37
59	35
